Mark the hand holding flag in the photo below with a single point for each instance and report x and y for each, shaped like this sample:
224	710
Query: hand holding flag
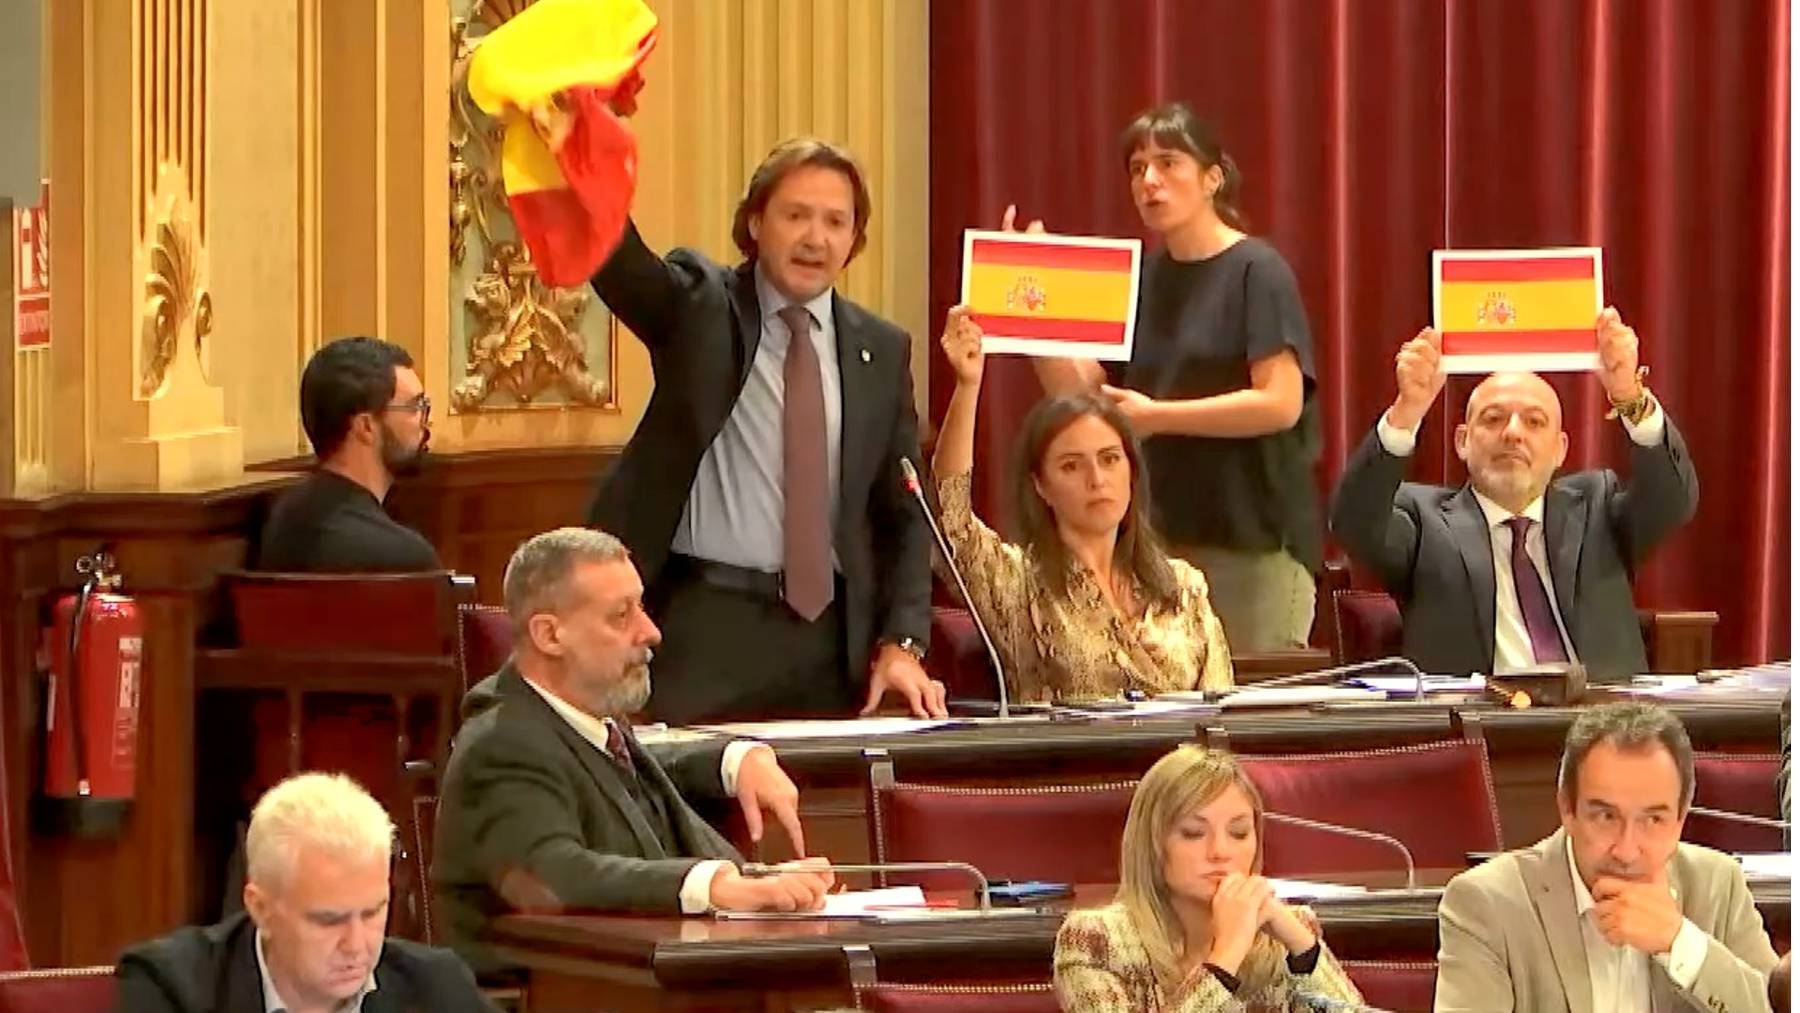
560	73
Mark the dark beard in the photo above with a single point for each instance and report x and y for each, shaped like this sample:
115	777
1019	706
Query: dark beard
399	461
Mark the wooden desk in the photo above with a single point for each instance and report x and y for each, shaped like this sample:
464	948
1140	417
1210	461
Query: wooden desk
627	963
832	774
1524	747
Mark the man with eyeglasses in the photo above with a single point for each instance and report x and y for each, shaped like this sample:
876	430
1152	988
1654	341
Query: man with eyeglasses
366	413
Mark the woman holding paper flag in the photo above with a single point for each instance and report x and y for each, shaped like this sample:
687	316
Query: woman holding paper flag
1220	385
1090	605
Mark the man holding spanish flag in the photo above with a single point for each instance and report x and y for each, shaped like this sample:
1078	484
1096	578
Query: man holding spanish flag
761	495
1517	568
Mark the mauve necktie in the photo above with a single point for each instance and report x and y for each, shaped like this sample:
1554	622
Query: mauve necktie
805	519
1534	602
618	751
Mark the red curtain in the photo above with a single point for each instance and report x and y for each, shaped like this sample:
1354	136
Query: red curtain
1371	132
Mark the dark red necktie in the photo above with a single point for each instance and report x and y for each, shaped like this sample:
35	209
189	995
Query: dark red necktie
616	749
805	521
1534	602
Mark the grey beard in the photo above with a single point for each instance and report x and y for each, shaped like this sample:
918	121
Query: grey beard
630	694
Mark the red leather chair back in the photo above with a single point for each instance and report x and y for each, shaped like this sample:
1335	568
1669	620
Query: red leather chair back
382	613
1738	782
484	636
1368	625
957	658
59	990
1066	833
1437	798
1032	998
1404	986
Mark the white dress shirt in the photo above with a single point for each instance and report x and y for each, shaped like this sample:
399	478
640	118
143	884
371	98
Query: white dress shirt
1512	644
274	1003
1620	975
696	887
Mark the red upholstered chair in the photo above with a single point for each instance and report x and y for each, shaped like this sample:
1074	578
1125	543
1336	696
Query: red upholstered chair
1404	986
1436	798
323	611
484	635
1366	625
1067	833
1737	782
59	990
352	673
1037	997
957	657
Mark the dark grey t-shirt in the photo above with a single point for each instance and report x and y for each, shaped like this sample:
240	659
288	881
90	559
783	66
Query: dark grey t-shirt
1200	325
330	524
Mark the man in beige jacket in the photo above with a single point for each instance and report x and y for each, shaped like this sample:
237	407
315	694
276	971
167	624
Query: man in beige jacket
1612	912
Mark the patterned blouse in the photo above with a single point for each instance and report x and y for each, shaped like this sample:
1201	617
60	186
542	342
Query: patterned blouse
1077	645
1101	967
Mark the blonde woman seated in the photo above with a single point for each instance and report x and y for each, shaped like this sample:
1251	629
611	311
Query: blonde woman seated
1090	605
1194	928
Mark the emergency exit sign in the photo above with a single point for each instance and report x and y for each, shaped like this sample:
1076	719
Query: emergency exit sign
31	271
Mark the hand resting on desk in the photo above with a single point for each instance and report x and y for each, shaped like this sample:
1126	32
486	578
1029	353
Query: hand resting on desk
802	889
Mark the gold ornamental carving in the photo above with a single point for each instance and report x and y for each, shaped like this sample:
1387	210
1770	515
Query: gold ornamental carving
173	298
523	338
526	343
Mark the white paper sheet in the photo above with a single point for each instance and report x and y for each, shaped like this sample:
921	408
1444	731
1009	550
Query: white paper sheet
1147	708
854	728
859	902
850	904
1433	683
1767	865
1295	889
1298	696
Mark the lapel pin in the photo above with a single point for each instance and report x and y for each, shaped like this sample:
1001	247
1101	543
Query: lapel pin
865	355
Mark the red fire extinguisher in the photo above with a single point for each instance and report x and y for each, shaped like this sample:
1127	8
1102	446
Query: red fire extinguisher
96	651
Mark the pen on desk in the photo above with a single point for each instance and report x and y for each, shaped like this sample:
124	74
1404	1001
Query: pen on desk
936	903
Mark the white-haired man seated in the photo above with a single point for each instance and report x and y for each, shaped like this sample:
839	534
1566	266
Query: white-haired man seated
312	936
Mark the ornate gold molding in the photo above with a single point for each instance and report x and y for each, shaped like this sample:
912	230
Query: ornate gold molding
173	296
527	343
524	338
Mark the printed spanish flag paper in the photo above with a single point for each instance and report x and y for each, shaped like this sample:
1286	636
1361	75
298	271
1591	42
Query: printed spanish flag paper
1037	294
560	74
1528	310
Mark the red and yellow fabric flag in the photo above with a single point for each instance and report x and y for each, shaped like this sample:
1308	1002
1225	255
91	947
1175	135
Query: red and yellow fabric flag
561	74
1052	295
1517	309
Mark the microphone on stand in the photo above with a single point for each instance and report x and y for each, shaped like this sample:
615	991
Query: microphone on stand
1412	876
912	485
981	881
1356	668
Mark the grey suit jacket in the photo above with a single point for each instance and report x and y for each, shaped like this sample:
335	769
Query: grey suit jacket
533	814
1509	939
1431	548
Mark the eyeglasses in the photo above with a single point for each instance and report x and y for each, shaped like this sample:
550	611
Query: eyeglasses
420	404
